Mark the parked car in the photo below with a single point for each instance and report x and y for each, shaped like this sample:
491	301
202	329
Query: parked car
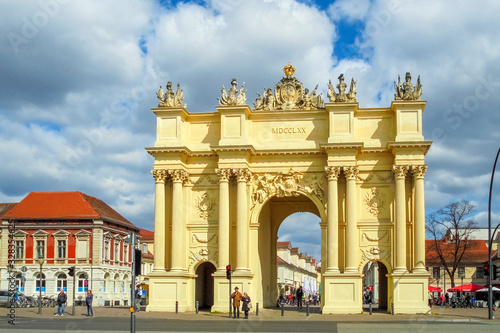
5	297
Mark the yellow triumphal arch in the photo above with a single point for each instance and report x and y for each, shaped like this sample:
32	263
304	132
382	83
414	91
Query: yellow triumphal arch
226	180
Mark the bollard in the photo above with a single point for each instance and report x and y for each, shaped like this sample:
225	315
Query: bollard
307	309
257	309
392	309
282	309
370	308
176	307
197	306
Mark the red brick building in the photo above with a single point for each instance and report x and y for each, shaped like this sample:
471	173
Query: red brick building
67	229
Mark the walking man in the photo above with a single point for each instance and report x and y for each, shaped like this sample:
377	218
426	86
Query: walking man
61	302
299	295
138	295
236	296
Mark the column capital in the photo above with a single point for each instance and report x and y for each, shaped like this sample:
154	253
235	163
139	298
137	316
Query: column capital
419	171
223	174
178	175
332	172
159	175
400	171
242	175
351	172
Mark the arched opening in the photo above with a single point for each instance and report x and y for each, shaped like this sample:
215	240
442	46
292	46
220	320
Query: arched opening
204	293
273	213
375	285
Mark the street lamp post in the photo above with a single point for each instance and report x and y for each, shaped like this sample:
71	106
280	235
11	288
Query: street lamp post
490	292
40	262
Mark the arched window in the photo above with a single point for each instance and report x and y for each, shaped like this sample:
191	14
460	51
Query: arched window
115	282
37	283
62	282
106	282
125	282
19	282
82	283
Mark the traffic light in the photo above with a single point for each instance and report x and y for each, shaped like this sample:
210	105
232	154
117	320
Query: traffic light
71	271
496	271
228	272
137	261
486	270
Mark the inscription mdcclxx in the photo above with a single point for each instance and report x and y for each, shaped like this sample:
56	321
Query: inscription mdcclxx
291	130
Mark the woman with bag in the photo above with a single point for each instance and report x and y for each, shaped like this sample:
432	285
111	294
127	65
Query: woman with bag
247	304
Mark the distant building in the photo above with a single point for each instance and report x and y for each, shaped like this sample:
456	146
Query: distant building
67	229
296	269
146	244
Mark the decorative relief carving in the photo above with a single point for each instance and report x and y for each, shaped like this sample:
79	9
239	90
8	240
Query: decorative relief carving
341	96
169	99
195	238
204	204
202	255
179	176
204	179
289	94
332	173
419	171
223	174
406	91
232	99
374	253
285	184
373	239
374	201
242	175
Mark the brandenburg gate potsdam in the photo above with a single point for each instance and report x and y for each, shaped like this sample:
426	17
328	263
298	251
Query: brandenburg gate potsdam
226	180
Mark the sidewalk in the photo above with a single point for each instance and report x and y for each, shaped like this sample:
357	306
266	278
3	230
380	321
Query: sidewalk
435	314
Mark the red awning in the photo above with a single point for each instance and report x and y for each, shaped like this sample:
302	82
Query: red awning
466	287
433	289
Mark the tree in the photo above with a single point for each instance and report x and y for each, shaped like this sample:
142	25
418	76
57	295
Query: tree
451	227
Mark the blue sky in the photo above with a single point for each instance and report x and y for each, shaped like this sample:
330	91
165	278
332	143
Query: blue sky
79	78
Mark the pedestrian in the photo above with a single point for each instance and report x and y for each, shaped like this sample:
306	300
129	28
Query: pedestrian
299	295
138	295
447	300
61	302
236	297
442	300
473	300
16	298
247	304
88	301
430	299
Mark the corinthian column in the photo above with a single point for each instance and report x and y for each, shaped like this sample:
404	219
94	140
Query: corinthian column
332	242
159	236
418	177
178	176
400	174
242	177
351	174
223	218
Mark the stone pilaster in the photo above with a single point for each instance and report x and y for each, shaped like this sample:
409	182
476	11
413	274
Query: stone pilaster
333	220
242	177
159	235
418	178
351	174
400	175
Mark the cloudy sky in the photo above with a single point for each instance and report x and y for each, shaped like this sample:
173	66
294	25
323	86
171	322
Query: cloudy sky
78	79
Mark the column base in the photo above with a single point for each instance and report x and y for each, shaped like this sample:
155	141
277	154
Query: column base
410	292
167	288
222	294
343	293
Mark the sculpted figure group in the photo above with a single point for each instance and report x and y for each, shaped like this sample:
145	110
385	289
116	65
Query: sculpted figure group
289	94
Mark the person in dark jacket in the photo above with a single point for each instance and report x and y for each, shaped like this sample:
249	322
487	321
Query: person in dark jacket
299	295
88	301
246	304
61	302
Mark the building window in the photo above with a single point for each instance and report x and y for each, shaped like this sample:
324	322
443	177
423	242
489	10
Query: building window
61	249
144	248
82	283
62	282
106	250
40	249
436	272
461	272
19	282
117	251
480	272
125	253
37	283
19	249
